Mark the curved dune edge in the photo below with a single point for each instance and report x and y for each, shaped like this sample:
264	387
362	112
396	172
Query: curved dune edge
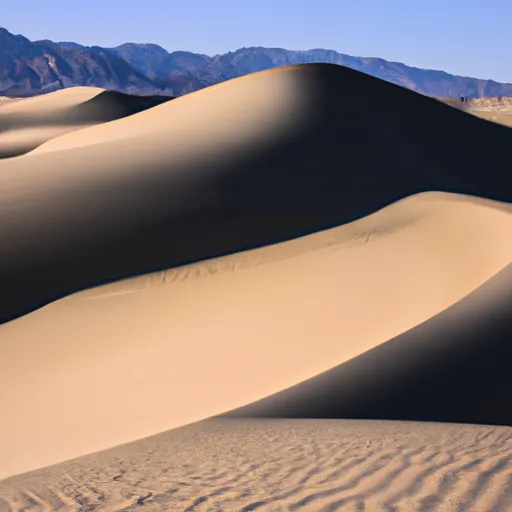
244	164
29	123
123	361
307	465
48	104
4	100
453	367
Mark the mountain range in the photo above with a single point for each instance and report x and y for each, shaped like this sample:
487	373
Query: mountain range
34	67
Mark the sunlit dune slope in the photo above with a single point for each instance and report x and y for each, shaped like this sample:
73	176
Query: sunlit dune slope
123	361
245	163
26	124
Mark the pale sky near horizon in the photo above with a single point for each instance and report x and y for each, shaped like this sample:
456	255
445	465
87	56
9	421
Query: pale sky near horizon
471	38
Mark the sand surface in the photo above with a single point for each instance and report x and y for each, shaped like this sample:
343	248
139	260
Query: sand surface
5	99
258	248
250	162
284	465
453	367
27	123
199	338
500	117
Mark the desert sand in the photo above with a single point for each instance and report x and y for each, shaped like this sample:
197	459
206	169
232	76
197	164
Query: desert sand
201	337
28	123
6	99
284	465
501	117
242	164
262	249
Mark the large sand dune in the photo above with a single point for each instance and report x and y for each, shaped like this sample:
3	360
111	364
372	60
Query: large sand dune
268	248
119	362
245	163
28	123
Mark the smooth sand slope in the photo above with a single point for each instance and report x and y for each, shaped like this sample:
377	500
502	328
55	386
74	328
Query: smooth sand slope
6	99
284	465
26	124
123	361
453	367
245	163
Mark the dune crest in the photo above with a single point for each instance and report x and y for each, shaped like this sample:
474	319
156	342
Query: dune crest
50	103
27	123
166	349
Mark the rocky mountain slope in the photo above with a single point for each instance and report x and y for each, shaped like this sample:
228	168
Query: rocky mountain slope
32	67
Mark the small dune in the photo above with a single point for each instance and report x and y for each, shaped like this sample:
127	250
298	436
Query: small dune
28	123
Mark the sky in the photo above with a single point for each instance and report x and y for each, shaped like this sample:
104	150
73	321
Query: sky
469	38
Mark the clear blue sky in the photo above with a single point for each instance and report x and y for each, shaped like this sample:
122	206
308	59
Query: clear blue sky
470	38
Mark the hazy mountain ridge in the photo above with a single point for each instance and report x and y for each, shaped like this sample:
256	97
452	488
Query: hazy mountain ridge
32	67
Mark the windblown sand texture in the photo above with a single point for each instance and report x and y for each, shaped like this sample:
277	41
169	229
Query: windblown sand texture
259	249
284	465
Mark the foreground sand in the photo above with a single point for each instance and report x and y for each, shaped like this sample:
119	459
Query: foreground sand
284	465
166	349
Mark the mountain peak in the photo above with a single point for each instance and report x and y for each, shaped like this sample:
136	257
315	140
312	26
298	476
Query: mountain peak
148	68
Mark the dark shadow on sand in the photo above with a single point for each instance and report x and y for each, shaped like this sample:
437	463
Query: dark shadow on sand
363	144
455	367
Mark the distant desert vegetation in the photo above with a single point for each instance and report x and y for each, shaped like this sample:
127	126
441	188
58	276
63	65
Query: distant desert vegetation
313	293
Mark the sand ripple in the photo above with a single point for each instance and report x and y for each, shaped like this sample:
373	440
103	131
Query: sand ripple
283	465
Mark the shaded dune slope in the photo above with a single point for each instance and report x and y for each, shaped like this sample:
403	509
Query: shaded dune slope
454	367
248	162
26	124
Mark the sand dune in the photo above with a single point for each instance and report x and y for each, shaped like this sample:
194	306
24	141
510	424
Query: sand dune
453	367
290	254
119	362
28	123
4	100
284	465
245	163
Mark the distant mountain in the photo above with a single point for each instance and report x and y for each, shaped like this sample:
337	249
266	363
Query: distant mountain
28	67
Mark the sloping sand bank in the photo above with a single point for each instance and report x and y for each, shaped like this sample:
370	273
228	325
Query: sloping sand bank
248	162
123	361
25	124
453	367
